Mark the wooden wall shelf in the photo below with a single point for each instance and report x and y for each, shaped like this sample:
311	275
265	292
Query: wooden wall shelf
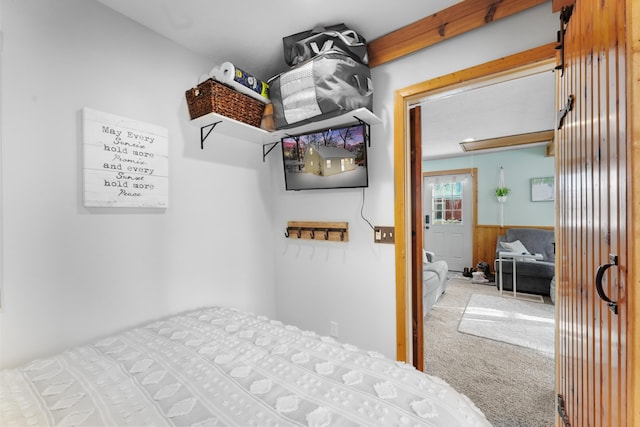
327	231
230	127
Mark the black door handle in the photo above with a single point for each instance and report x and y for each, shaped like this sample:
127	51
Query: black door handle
613	305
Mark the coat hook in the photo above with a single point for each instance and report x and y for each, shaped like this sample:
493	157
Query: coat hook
299	233
326	234
342	235
286	233
312	232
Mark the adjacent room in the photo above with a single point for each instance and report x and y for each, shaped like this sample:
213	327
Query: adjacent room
477	141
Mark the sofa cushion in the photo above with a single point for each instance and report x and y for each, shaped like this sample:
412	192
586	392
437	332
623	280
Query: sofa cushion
532	268
516	247
441	268
430	281
536	240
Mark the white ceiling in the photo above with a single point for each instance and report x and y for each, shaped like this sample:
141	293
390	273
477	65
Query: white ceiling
249	34
495	109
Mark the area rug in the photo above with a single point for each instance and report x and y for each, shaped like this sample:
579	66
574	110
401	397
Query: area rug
524	323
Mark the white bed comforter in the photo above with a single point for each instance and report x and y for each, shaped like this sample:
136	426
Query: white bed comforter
219	366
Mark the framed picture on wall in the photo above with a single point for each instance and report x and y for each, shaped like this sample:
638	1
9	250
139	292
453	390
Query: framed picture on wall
543	189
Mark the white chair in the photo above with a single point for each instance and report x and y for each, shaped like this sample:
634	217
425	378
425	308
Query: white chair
434	280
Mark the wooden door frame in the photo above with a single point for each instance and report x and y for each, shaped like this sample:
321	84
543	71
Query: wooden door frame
417	243
403	99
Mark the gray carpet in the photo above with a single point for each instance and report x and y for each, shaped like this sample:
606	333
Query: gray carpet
511	384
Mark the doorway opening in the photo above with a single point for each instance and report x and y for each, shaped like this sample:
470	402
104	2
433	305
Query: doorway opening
445	208
406	203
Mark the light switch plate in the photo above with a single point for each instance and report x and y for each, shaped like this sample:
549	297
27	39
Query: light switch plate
382	234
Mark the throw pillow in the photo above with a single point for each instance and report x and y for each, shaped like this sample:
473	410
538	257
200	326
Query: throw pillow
516	247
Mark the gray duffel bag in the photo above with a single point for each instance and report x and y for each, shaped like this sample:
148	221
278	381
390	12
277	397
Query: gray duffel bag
307	44
324	86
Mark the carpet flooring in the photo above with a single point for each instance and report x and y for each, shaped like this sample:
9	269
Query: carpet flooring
524	323
513	385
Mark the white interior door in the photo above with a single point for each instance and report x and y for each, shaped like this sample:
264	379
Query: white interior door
448	213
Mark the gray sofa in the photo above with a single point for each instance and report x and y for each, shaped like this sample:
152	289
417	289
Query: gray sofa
434	281
534	277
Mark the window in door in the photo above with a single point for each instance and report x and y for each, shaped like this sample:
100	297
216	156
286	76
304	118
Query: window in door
446	202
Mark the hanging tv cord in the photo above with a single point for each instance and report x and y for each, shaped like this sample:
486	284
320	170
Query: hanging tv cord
362	208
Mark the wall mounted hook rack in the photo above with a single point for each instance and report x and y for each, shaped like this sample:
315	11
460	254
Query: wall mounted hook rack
328	231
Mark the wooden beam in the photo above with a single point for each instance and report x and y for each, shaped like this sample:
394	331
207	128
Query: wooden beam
452	21
508	141
557	5
551	149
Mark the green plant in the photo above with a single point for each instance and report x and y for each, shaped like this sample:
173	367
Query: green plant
502	191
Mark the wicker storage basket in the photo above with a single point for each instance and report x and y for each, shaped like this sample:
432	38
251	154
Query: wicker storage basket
211	96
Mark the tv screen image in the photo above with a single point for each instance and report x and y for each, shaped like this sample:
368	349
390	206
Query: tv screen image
324	159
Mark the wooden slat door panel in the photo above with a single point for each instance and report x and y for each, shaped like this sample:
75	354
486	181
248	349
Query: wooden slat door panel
591	158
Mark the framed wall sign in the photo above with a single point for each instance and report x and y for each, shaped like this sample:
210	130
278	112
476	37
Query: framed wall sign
125	162
543	189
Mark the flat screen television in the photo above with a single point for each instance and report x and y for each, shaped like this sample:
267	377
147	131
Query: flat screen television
326	159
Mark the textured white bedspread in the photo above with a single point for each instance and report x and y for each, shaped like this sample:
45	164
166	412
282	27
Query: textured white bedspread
219	366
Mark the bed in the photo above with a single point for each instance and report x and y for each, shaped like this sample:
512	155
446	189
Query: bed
225	367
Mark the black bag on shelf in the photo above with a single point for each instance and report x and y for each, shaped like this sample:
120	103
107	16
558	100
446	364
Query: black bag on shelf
327	85
303	46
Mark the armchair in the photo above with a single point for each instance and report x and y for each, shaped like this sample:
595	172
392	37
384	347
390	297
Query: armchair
434	280
534	277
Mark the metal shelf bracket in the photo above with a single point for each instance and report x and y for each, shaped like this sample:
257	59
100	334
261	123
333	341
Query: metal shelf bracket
208	129
266	151
367	129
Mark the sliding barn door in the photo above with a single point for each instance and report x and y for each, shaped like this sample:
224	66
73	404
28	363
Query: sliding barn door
592	247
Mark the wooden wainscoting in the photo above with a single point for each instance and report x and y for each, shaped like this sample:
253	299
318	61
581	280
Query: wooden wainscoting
485	237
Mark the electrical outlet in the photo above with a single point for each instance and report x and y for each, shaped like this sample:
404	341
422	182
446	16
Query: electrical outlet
383	234
335	329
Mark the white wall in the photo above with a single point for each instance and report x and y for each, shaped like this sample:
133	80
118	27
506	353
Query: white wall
520	165
354	283
71	274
